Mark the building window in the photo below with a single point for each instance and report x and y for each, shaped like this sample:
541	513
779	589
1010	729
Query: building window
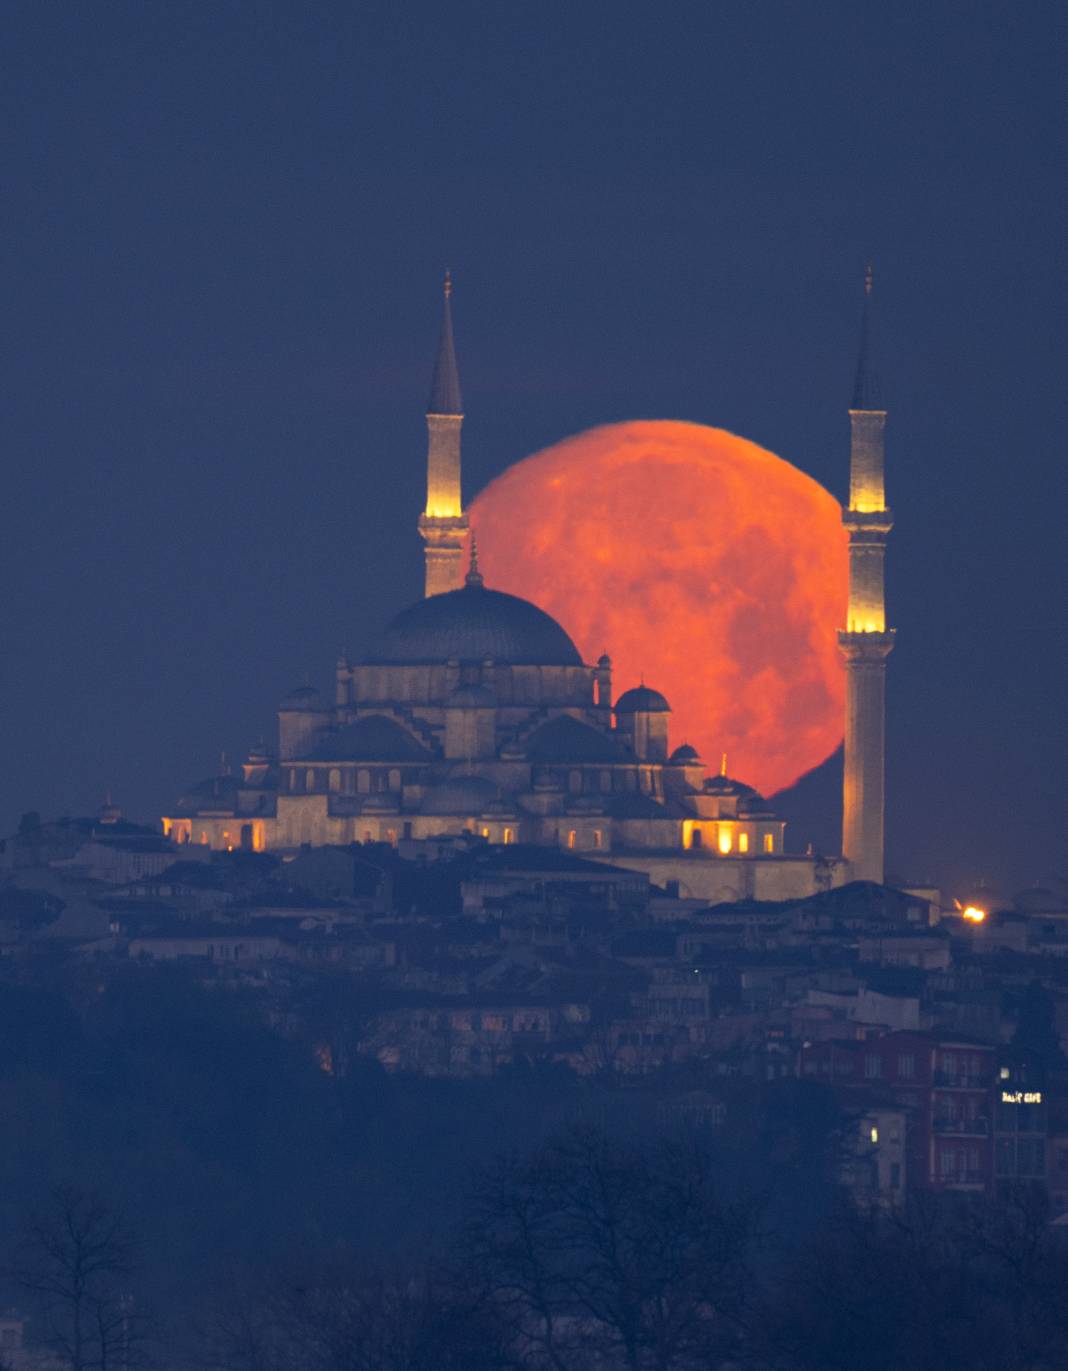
485	833
509	835
335	778
725	843
873	1066
906	1066
309	779
571	836
696	839
606	781
597	837
769	842
407	829
394	780
574	782
391	836
363	782
743	842
367	835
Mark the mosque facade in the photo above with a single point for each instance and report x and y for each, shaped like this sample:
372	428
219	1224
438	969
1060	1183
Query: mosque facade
473	712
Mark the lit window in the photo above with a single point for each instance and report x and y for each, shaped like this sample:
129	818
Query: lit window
769	842
1005	1073
725	843
597	837
743	842
509	835
391	836
874	1134
571	836
485	833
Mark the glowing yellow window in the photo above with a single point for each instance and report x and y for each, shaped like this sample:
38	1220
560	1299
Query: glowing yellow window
725	843
485	833
769	842
743	842
572	835
509	835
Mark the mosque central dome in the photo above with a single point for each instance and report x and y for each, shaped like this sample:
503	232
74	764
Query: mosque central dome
470	625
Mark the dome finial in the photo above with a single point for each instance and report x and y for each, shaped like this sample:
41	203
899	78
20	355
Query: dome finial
448	282
474	576
723	765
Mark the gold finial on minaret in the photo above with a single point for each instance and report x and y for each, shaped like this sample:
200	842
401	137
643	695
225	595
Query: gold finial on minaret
723	765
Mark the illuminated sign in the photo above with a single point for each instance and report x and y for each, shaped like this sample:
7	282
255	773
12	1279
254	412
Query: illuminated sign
1021	1097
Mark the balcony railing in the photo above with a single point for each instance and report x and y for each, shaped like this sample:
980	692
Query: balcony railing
957	1080
968	1127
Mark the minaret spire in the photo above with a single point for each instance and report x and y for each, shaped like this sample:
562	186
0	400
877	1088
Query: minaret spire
443	524
866	642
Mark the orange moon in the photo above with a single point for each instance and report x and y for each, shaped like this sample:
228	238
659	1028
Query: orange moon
701	562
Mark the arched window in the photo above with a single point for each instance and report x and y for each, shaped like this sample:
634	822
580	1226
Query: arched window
509	835
597	836
697	838
335	778
391	836
309	779
574	782
394	780
743	842
363	782
769	842
571	837
606	781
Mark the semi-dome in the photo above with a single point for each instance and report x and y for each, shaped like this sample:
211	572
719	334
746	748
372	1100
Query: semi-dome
305	698
642	700
474	624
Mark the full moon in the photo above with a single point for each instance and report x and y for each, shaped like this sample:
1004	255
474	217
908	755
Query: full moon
703	564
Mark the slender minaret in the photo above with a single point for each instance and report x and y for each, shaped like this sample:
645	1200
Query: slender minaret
443	525
866	642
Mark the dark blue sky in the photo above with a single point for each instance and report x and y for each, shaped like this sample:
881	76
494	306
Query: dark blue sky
224	229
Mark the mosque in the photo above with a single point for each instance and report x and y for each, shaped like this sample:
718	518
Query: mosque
473	712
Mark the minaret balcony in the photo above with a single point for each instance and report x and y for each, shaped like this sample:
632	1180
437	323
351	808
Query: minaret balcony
878	521
858	645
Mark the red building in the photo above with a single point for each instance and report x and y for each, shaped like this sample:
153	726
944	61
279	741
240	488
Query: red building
945	1084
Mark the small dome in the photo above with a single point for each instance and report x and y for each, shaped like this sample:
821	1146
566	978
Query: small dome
471	625
471	697
685	756
755	806
460	795
604	660
306	698
725	785
642	700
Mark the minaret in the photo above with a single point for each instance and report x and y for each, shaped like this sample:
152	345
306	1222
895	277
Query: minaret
443	525
866	642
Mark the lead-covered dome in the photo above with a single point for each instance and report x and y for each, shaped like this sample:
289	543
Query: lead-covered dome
474	624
